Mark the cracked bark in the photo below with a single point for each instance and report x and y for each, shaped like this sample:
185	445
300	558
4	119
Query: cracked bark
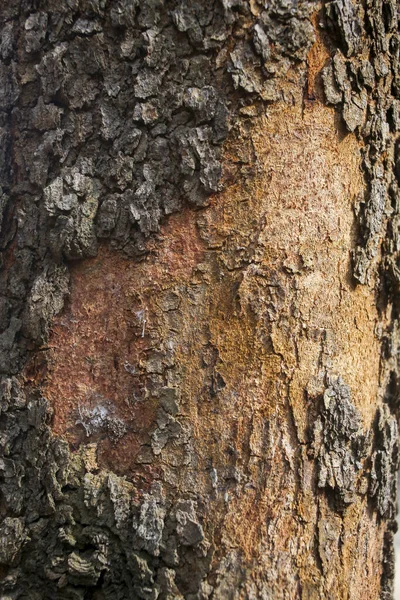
199	299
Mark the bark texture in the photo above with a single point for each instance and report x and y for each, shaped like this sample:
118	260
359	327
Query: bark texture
199	307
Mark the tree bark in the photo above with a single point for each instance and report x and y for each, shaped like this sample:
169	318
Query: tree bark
199	307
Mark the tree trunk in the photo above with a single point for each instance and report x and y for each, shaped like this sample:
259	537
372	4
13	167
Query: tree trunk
199	318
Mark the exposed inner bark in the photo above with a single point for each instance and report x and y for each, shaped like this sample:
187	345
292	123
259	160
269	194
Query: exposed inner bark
107	357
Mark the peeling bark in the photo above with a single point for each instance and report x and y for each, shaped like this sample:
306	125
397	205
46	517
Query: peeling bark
199	308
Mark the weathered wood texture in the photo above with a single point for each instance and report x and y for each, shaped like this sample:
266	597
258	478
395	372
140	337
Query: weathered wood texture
199	305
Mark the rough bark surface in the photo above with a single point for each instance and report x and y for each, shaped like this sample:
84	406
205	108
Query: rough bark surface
199	308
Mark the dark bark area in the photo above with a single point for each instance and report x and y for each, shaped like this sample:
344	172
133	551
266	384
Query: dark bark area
115	115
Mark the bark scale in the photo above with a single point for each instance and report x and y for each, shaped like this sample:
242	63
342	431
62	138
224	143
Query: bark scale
199	314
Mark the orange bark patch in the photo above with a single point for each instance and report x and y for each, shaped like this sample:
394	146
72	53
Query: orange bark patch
279	313
98	379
